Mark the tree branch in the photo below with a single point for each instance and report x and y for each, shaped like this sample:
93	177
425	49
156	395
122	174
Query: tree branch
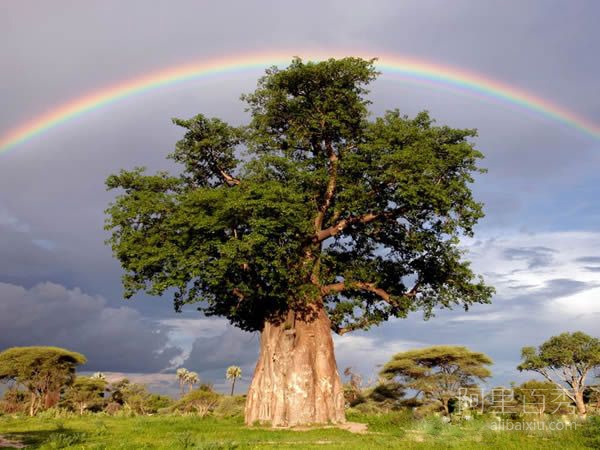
330	191
230	180
364	322
344	223
365	286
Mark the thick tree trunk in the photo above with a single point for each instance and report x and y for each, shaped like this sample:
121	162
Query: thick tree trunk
580	404
296	379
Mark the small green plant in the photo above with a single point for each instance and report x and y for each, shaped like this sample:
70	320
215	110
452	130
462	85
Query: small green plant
59	427
62	440
591	432
186	440
100	428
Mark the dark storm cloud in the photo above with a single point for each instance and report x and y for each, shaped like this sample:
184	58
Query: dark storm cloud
232	347
52	196
210	356
113	339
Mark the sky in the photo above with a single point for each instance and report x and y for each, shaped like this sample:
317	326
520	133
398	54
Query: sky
539	243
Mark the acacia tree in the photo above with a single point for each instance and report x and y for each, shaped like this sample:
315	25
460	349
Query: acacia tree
540	396
565	360
438	372
41	370
86	393
309	219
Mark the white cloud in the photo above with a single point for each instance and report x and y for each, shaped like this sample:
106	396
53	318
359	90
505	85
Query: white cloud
366	353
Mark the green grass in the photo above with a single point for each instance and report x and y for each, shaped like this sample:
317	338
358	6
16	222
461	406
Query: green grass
395	430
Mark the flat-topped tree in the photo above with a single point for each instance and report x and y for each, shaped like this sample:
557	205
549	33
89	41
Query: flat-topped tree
439	373
43	371
329	221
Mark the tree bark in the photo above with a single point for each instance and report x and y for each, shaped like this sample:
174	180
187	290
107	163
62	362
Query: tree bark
446	406
232	386
296	381
580	404
32	405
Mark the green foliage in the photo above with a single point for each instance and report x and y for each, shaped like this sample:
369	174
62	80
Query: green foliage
438	372
591	432
200	401
41	370
230	406
324	206
13	401
86	393
134	398
565	360
390	392
397	429
63	440
577	350
157	402
541	397
233	373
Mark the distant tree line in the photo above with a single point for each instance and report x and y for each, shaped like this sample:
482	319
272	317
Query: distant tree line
445	379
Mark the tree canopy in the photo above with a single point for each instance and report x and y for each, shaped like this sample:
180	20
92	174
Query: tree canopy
86	393
41	370
565	360
309	203
438	372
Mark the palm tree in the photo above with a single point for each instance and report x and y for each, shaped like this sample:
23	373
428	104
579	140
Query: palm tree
192	378
233	372
182	374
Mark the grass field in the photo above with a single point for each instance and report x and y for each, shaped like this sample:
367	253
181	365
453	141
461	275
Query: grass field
395	430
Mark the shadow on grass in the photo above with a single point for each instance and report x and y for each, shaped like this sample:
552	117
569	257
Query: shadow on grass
57	437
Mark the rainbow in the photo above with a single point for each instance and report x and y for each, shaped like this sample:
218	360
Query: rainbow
406	68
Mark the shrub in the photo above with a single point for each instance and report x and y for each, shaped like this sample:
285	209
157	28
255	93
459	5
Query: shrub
591	432
14	401
62	440
230	406
428	410
200	401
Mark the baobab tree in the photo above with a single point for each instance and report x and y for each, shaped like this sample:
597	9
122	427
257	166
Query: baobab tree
329	222
233	373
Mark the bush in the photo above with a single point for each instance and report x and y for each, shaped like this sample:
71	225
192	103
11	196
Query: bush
199	401
113	408
591	432
62	440
230	406
14	401
427	410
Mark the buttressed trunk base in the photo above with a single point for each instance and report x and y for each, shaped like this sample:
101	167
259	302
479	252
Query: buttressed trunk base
296	381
